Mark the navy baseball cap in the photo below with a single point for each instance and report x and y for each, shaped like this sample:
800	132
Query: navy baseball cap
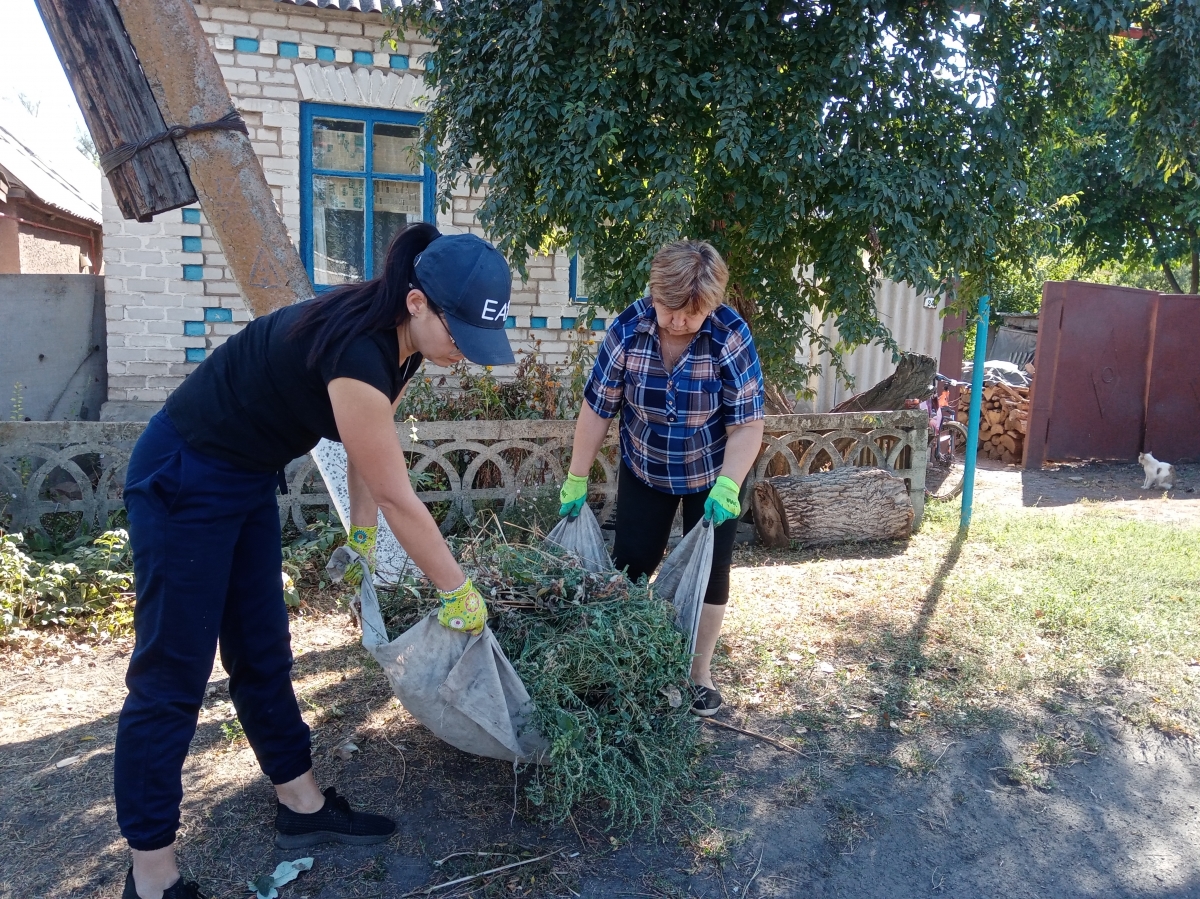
469	280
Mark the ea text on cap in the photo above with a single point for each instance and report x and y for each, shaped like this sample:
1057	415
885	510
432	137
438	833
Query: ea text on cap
494	313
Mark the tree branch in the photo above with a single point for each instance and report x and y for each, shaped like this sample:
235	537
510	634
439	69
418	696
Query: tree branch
1166	265
1195	285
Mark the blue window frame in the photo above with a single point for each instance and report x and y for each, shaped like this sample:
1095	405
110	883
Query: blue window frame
578	287
362	178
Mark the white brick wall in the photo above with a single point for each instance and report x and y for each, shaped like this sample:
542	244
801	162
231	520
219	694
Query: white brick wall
151	303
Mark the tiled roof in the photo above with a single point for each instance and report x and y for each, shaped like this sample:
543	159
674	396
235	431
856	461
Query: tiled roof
348	5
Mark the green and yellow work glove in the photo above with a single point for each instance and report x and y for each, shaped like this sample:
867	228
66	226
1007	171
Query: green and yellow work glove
722	503
463	609
362	541
573	495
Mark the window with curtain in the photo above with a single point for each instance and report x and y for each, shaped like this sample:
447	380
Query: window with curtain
362	179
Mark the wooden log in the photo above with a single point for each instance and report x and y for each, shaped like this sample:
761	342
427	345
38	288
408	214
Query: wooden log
846	505
117	104
237	201
911	380
769	517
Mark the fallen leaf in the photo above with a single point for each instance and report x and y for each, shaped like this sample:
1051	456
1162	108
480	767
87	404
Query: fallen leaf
70	760
854	715
345	751
674	697
826	668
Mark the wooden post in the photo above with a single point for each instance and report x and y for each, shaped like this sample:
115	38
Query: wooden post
117	104
229	179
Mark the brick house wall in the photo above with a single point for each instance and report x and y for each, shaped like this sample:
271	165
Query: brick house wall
170	297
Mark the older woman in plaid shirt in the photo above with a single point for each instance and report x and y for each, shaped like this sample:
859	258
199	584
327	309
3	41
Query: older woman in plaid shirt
681	369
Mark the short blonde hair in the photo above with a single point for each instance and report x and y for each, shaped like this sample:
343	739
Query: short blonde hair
689	274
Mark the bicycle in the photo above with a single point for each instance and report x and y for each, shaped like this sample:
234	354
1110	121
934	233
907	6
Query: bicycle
947	442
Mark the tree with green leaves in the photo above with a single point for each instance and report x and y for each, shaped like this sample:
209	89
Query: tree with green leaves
821	146
1128	162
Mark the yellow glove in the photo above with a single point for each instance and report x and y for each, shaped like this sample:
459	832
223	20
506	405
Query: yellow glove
362	541
463	609
573	495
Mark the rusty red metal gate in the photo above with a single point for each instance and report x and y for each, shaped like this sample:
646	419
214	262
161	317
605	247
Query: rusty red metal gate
1173	394
1117	373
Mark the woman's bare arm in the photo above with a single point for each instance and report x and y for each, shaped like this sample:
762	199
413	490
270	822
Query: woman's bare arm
368	431
590	431
364	511
742	443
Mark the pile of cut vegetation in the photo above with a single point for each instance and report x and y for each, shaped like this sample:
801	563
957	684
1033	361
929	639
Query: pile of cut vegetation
605	667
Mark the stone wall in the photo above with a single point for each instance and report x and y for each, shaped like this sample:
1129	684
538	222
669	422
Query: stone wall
78	468
171	298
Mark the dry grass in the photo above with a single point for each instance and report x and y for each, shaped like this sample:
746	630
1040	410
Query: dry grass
1029	621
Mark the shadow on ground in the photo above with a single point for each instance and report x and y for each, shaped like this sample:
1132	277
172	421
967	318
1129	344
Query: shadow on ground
840	816
1101	482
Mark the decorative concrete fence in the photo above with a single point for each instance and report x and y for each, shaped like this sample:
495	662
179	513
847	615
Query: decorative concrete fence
71	474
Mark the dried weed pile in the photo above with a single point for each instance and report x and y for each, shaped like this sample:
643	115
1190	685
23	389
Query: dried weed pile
606	669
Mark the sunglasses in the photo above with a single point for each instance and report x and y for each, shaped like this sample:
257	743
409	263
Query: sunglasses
449	333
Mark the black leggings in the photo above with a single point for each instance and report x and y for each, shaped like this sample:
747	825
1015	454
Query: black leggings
644	517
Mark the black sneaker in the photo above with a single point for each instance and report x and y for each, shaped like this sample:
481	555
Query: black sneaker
707	701
180	889
334	823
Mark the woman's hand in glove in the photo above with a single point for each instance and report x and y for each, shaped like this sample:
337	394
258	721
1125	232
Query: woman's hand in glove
572	495
463	609
362	541
722	503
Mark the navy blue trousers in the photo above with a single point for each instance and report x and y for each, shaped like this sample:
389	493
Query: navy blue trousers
207	562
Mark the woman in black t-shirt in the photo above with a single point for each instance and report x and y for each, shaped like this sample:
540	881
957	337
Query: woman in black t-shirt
204	525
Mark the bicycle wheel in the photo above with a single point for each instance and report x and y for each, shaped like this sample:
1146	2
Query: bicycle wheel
944	470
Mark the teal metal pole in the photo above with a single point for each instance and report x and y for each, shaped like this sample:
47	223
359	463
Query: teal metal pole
968	493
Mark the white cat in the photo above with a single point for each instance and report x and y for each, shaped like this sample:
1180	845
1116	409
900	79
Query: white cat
1158	474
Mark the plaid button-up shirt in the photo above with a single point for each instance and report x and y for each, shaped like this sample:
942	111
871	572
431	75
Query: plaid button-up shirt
673	423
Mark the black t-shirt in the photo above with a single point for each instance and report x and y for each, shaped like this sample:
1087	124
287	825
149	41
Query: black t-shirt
256	403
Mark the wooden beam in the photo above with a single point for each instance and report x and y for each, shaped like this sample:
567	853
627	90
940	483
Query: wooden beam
117	104
228	176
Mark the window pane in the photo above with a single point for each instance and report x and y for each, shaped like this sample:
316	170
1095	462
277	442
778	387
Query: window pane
581	286
397	149
338	229
339	145
396	204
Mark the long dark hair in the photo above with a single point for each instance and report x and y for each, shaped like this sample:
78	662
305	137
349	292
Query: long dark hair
339	315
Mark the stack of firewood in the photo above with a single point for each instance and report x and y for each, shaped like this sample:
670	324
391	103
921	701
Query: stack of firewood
1003	420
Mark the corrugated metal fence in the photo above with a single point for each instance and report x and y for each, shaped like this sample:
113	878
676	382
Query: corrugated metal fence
917	328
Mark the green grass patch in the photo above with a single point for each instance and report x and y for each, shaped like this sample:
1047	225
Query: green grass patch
1073	598
1036	613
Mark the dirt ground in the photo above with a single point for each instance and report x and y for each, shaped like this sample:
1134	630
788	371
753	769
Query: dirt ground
1070	487
835	817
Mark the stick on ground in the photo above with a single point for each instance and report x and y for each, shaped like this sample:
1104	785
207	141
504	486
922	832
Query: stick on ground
755	734
449	883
